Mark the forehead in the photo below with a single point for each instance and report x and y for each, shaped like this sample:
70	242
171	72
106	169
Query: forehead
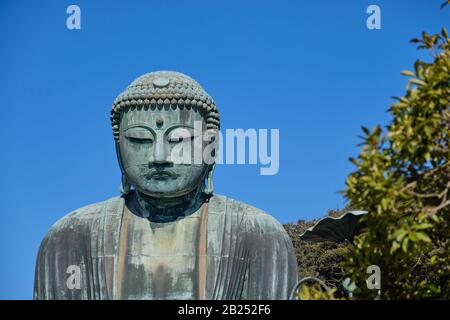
168	117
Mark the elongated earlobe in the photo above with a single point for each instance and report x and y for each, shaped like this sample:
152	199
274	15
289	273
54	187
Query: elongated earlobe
125	187
209	188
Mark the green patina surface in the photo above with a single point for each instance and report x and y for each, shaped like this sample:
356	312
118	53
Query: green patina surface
168	236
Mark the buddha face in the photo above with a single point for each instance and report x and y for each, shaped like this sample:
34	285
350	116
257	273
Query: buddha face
159	149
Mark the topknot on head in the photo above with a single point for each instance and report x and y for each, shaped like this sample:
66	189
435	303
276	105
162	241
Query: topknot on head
165	89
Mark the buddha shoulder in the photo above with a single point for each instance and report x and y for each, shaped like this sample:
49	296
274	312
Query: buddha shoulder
247	216
84	218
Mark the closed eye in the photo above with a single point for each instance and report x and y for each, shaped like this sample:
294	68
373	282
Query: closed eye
177	139
140	140
139	135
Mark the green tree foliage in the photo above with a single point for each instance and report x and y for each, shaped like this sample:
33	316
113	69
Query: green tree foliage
315	292
321	260
403	179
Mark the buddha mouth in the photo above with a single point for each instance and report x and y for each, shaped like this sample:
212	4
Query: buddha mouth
161	175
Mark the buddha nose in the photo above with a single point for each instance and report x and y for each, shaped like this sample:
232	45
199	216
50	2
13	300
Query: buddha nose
160	153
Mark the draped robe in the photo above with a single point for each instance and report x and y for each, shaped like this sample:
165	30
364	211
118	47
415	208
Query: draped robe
120	255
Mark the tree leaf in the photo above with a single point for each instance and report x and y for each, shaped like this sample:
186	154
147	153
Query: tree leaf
408	73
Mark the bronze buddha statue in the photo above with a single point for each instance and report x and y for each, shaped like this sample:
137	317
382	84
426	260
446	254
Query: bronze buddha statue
167	236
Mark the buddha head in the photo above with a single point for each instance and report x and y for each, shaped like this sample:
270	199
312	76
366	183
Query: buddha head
162	124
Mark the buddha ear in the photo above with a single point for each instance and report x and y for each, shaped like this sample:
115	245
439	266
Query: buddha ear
209	186
125	186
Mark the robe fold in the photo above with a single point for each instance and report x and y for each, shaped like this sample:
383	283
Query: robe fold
118	255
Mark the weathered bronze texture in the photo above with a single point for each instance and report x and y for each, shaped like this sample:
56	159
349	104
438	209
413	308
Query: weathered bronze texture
168	236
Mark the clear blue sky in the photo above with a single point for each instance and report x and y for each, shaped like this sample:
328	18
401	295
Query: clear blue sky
310	68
